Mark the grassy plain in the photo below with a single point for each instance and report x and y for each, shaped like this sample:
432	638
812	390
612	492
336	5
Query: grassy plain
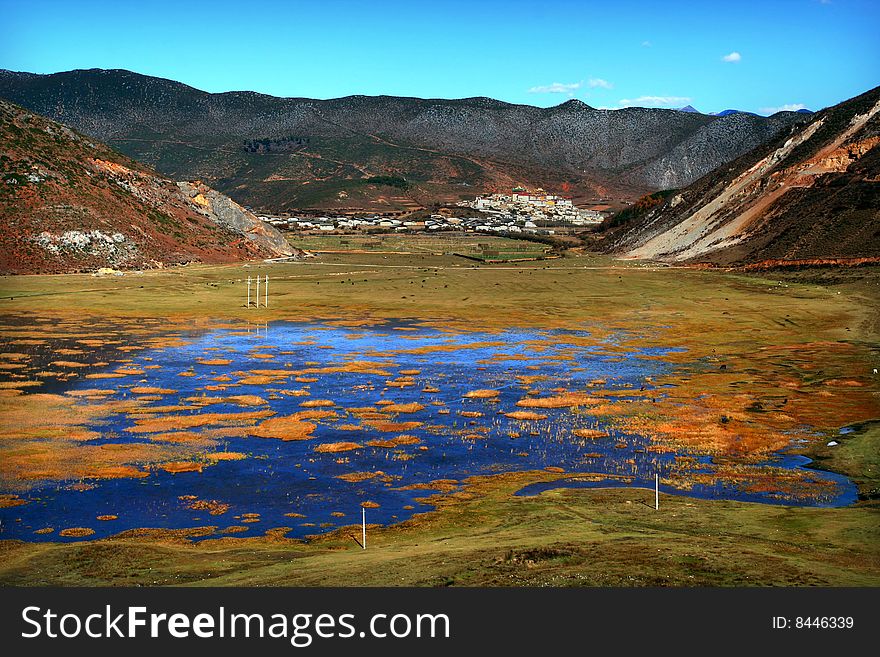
484	247
776	352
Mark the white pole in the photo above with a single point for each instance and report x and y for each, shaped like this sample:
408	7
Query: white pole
249	292
656	491
364	527
267	291
258	290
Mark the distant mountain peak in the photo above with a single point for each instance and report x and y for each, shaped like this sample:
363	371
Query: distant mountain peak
689	108
573	103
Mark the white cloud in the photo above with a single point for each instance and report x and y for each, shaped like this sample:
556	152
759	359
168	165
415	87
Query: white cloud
646	44
732	57
557	88
789	107
655	101
599	82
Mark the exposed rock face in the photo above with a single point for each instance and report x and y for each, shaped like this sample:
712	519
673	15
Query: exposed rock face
223	211
810	194
443	148
70	204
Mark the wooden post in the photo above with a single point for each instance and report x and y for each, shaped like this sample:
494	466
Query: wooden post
249	291
267	291
656	491
258	290
364	528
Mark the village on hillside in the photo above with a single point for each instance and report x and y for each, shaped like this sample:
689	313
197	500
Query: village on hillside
538	206
519	212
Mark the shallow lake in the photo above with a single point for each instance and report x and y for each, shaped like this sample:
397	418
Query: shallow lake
400	411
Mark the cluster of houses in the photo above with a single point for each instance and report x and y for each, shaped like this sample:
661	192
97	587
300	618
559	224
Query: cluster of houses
437	222
330	224
521	212
537	206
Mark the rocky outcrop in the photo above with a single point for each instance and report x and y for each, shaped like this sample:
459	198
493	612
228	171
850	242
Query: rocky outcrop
227	213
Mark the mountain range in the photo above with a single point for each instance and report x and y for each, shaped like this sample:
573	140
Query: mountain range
282	154
811	193
69	203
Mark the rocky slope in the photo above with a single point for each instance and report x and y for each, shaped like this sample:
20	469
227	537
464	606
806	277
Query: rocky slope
324	150
811	193
68	203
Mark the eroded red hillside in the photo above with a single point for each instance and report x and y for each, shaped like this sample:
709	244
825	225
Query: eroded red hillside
68	203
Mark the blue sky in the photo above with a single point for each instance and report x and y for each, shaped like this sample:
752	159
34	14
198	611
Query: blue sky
756	56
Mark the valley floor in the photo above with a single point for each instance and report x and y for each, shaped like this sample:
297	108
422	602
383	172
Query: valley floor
808	338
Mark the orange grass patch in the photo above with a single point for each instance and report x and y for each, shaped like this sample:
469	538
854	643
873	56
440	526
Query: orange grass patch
443	485
401	382
357	477
315	415
45	416
589	433
333	448
290	427
525	415
412	407
14	385
390	427
213	457
214	507
172	422
294	393
8	500
482	394
564	400
257	380
175	467
213	361
76	532
403	439
238	400
378	368
89	392
358	410
313	403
